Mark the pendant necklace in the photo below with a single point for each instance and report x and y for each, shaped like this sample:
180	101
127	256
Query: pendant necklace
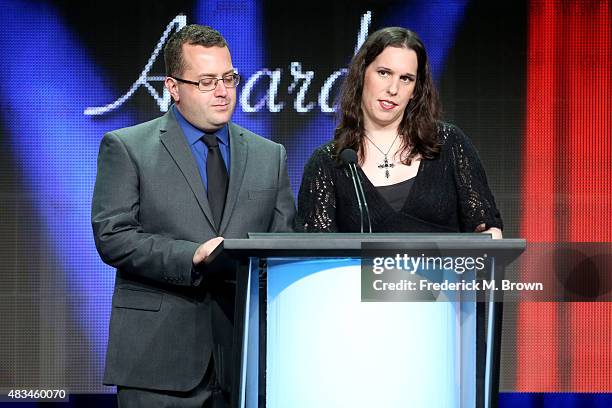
385	164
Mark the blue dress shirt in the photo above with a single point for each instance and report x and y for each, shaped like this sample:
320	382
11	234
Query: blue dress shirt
199	149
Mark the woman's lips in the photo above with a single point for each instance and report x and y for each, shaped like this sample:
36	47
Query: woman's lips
386	105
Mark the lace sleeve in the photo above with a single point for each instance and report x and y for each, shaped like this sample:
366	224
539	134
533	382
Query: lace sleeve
476	202
317	199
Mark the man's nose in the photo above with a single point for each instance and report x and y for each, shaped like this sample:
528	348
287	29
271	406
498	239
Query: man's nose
220	89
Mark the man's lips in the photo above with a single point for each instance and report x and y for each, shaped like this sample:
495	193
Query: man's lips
221	105
386	104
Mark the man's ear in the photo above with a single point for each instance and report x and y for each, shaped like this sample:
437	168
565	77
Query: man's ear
172	87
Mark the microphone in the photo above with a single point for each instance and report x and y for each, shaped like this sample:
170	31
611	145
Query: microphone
349	156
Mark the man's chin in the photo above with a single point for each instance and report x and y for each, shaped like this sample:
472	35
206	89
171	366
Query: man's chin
223	119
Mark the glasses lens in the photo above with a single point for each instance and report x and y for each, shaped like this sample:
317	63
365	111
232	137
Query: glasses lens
231	81
207	84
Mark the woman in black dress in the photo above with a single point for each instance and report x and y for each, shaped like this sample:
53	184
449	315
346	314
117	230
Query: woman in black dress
419	174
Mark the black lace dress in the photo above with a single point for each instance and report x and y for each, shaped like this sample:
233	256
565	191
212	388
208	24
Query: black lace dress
449	194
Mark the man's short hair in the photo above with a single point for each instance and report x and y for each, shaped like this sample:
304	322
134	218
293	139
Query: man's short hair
193	34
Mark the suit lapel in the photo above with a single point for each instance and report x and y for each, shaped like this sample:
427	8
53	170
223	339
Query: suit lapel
238	158
174	141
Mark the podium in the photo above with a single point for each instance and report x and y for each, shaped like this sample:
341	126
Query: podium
305	338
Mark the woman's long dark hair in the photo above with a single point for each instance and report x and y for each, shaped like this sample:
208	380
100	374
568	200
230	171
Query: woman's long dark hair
418	125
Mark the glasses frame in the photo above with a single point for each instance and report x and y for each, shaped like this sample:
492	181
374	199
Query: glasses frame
214	79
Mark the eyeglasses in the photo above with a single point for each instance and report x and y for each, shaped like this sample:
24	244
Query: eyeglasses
210	83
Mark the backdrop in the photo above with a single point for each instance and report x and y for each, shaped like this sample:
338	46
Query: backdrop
529	82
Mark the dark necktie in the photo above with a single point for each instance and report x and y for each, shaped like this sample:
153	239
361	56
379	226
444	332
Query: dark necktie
216	173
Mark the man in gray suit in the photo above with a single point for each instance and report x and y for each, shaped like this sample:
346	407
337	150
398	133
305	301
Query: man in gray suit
166	193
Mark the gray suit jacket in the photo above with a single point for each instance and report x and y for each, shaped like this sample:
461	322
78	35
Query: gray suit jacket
149	214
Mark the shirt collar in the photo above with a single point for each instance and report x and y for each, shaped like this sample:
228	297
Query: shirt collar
193	134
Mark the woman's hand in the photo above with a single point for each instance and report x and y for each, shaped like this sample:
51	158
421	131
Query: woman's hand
496	233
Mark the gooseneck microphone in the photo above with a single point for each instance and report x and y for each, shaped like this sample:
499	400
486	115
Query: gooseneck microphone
349	156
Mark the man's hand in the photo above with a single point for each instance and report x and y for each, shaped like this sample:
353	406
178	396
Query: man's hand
205	249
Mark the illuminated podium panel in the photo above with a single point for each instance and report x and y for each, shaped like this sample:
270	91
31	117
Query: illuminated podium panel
326	348
308	339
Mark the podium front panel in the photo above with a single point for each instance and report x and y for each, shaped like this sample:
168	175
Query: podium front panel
324	347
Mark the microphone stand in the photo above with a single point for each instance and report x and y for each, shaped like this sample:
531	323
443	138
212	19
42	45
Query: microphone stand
354	177
365	202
